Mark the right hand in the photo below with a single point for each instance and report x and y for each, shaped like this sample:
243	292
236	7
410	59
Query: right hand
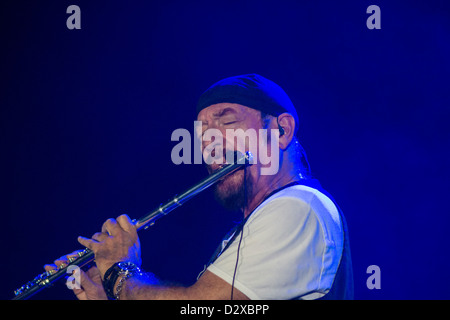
90	281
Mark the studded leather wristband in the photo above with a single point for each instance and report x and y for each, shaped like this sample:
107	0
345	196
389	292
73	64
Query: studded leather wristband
124	269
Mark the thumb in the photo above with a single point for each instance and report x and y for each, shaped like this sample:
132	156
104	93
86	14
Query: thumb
89	289
85	285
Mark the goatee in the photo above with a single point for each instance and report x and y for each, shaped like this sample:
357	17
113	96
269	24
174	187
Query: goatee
233	191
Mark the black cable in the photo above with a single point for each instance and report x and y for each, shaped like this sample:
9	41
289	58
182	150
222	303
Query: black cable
237	260
242	232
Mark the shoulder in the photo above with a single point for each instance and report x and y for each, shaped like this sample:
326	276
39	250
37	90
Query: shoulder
293	238
299	205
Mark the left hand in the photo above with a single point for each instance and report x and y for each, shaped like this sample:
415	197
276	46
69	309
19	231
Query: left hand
117	242
91	287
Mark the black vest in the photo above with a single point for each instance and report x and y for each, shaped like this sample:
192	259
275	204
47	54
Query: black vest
342	287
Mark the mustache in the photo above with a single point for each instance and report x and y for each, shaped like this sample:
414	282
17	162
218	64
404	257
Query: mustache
229	157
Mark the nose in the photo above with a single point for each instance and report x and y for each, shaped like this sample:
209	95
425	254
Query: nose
213	134
213	145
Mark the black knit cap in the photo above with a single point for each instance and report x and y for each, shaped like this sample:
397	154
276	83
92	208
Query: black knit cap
250	90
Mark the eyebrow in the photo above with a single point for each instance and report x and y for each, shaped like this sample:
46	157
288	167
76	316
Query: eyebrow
223	112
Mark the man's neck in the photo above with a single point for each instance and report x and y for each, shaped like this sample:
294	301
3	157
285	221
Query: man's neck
265	187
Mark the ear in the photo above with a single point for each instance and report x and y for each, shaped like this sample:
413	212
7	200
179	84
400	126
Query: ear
287	122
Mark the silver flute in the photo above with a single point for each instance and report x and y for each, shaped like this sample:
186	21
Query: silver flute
86	257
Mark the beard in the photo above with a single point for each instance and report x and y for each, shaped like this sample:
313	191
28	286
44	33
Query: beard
233	191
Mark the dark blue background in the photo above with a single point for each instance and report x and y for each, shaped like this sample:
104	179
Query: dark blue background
87	115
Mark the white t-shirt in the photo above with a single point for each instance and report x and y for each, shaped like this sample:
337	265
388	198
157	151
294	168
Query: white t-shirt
291	247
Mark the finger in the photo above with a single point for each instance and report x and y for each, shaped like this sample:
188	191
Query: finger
88	243
80	292
67	259
74	255
111	227
61	262
100	236
89	288
50	267
126	224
